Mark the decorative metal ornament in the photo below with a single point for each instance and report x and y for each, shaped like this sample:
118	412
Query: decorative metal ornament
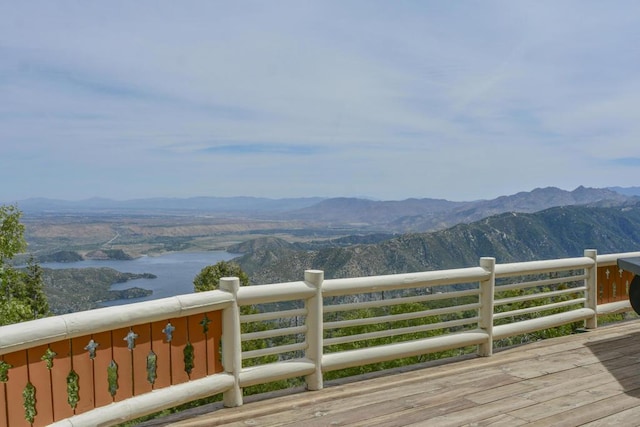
168	331
29	399
131	339
152	360
112	377
73	389
91	348
205	324
47	357
4	371
188	358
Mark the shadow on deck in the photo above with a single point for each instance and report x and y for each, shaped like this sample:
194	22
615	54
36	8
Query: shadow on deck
590	379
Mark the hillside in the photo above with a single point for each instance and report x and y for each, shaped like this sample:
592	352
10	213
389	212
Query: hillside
75	289
510	237
353	210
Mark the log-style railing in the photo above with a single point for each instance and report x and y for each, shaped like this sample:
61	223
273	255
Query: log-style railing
109	365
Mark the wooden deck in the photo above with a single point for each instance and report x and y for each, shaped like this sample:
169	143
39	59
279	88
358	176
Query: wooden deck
591	379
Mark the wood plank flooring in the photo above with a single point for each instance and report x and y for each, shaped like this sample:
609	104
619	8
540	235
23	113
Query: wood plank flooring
590	379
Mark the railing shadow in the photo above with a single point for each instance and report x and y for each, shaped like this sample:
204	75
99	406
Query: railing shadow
621	358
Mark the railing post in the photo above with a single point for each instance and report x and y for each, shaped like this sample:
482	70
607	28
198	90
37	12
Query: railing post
314	323
591	294
487	292
231	342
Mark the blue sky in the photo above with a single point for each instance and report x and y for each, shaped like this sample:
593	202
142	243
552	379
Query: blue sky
460	100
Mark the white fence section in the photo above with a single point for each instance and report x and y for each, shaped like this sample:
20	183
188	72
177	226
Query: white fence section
450	309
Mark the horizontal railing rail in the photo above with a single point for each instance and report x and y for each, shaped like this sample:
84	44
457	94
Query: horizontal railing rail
113	364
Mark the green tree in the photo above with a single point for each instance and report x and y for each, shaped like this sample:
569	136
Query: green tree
208	278
21	290
34	295
11	233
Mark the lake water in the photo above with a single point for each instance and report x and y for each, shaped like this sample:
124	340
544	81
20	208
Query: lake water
174	271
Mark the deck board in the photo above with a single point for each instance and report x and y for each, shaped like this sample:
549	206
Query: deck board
590	379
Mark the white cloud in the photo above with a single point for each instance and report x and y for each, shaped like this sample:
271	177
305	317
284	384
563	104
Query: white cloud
454	100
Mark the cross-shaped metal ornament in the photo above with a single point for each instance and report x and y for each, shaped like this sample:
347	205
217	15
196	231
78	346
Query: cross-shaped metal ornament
91	347
168	331
131	339
205	324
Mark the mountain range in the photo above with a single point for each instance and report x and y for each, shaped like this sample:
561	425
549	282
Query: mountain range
167	205
371	216
415	215
557	232
361	237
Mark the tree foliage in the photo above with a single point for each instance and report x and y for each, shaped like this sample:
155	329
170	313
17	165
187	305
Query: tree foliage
543	300
21	290
209	277
12	240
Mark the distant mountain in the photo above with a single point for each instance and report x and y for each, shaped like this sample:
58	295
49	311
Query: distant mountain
626	191
410	215
351	210
509	237
170	205
417	215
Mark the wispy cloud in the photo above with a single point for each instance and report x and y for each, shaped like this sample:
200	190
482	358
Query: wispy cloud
264	148
391	99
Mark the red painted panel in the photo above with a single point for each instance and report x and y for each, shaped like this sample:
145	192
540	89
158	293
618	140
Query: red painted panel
142	349
59	372
100	364
83	366
625	281
199	342
40	377
123	358
3	405
178	343
214	337
162	349
603	285
612	284
18	379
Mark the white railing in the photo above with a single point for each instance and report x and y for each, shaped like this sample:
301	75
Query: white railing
450	309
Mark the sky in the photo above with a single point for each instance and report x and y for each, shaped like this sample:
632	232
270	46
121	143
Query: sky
461	100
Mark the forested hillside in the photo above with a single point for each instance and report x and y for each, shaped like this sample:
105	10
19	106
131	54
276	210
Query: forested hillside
75	289
510	237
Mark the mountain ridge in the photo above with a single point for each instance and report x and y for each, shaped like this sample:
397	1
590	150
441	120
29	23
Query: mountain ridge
417	215
557	232
372	216
203	204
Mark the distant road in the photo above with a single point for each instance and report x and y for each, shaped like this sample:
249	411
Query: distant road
114	238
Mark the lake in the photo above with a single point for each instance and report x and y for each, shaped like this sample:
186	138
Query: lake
174	271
